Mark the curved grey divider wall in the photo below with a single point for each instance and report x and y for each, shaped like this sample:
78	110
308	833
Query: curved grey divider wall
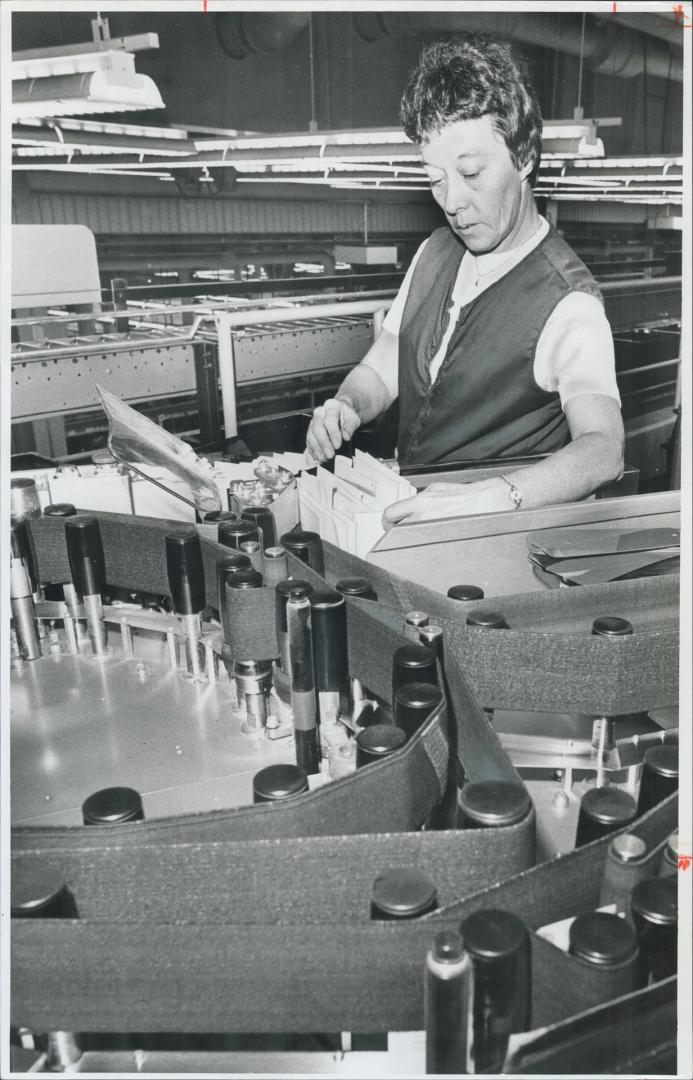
211	976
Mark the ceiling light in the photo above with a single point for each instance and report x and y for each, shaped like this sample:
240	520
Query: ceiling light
109	129
112	85
58	139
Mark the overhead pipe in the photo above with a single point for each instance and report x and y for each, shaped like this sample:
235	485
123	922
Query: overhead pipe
244	32
608	48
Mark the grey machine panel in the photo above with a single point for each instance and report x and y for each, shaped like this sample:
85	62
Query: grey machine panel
279	350
66	383
178	742
47	386
490	550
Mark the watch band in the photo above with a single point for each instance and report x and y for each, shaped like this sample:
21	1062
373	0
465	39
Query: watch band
514	493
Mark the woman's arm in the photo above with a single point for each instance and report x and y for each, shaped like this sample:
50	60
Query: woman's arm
592	459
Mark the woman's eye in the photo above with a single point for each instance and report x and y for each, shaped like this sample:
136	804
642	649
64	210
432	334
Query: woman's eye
470	176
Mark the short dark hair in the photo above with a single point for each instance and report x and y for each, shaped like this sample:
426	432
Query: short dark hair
468	76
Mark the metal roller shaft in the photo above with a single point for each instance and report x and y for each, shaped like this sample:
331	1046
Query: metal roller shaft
23	614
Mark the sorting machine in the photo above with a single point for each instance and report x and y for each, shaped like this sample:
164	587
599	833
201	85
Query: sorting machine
217	368
200	926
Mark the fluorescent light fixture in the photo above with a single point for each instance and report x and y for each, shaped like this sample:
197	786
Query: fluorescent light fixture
632	163
26	149
113	87
334	181
297	140
615	196
108	129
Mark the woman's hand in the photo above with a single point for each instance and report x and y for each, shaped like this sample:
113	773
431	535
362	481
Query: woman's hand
333	423
442	500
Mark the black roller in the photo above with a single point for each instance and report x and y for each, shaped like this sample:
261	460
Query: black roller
414	703
232	533
413	663
261	517
215	517
499	946
229	564
654	910
403	892
113	806
38	891
492	804
278	782
243	579
186	578
274	564
487	620
603	939
22	547
356	586
610	626
447	994
282	590
306	546
669	866
236	612
415	621
625	864
85	554
660	776
329	627
24	499
59	510
432	637
603	810
376	742
465	592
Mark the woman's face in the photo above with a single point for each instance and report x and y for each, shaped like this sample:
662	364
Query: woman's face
474	180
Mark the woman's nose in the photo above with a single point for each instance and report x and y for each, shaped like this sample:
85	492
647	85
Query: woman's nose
456	196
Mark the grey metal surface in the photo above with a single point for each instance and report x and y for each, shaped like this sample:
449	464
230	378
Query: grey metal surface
81	723
139	214
294	349
632	303
490	550
45	387
406	1056
67	384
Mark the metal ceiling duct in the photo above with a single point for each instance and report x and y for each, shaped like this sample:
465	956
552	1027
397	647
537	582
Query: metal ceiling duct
242	33
609	48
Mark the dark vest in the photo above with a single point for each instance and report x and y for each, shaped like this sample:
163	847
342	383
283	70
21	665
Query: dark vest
484	402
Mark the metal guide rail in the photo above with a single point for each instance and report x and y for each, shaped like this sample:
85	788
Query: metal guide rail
147	352
159	352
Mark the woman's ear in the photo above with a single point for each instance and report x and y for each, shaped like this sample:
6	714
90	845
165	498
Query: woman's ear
527	169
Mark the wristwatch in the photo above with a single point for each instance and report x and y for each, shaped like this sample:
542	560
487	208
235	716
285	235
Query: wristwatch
514	493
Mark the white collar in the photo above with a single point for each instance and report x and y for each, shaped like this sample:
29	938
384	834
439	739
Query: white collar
493	260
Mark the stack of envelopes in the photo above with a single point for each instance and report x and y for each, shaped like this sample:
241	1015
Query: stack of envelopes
593	556
346	507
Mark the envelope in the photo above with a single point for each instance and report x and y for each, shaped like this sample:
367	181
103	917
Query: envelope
569	543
